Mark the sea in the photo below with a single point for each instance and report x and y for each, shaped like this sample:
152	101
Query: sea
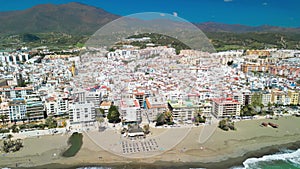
284	159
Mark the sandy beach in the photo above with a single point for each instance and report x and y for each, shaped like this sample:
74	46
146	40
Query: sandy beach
221	146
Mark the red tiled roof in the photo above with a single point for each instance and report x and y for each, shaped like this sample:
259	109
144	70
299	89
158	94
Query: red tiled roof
225	100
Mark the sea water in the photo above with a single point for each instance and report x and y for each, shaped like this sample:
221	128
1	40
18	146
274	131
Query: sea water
285	159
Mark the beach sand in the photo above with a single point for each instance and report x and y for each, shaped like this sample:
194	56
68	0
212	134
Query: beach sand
36	151
248	138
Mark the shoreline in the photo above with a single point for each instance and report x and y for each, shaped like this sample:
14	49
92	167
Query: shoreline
231	162
223	149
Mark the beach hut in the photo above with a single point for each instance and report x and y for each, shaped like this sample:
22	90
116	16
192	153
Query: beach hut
134	131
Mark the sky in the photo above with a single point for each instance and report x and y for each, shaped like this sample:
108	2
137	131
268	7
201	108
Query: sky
246	12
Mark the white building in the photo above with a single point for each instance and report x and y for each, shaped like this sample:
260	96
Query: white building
13	58
130	111
266	98
94	97
82	112
58	106
17	109
18	92
228	56
123	54
243	97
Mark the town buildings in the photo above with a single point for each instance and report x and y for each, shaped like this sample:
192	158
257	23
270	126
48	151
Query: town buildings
144	83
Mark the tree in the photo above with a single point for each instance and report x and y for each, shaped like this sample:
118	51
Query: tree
113	115
222	123
14	128
198	117
256	100
18	145
164	118
248	110
160	119
64	123
102	112
100	120
168	116
9	136
146	129
225	124
28	115
11	145
202	119
51	122
229	63
124	130
231	126
3	118
6	146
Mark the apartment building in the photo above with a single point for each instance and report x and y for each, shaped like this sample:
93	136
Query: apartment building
278	96
57	106
94	97
294	97
17	109
81	112
35	109
225	107
243	97
182	110
266	98
18	92
154	106
130	111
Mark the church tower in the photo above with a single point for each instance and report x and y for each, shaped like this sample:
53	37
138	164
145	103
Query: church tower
73	69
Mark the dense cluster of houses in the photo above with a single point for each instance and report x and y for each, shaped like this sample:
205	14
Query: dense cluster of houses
146	82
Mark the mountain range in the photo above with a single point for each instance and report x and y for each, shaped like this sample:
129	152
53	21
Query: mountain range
78	18
74	18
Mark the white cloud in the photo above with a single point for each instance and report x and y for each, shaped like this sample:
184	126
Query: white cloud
228	0
265	3
175	14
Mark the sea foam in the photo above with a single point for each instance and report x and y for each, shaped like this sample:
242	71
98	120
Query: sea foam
290	156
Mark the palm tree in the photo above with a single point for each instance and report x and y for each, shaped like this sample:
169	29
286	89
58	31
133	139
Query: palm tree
28	114
269	106
9	136
2	118
100	120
